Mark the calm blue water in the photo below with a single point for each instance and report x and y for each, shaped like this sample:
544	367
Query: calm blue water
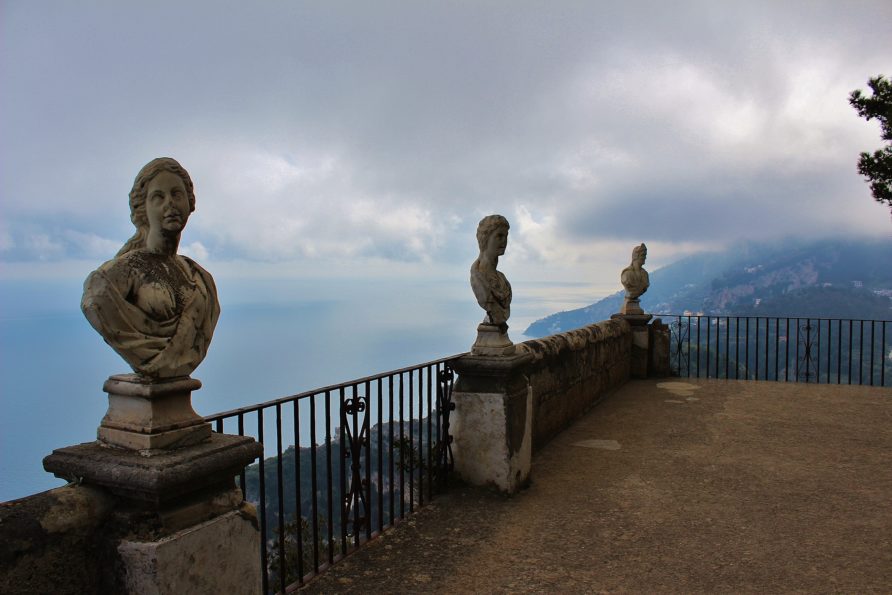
53	364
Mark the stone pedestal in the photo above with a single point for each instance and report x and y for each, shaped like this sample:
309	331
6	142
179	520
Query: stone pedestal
659	337
632	307
225	547
151	416
181	525
492	423
492	340
640	342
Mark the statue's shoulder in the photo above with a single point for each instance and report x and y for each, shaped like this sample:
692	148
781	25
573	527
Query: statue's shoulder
198	271
118	269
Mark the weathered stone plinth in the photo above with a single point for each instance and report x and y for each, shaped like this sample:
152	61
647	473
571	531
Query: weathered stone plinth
492	339
183	525
492	423
640	342
225	547
632	307
147	415
166	477
659	337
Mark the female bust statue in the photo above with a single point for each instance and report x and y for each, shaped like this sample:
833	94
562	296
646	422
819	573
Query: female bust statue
491	288
156	308
635	280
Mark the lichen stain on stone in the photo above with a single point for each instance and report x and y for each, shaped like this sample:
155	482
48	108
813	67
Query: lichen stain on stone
75	507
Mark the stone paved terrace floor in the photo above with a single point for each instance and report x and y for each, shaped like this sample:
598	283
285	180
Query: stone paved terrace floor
694	486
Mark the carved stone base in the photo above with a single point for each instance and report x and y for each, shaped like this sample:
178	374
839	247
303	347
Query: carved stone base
492	340
640	342
631	306
161	479
216	556
151	416
633	319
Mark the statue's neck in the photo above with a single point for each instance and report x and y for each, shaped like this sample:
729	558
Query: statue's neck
163	243
489	261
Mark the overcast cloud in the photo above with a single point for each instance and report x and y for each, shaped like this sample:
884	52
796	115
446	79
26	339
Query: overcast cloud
382	131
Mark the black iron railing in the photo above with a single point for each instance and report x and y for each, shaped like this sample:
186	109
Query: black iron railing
820	350
364	454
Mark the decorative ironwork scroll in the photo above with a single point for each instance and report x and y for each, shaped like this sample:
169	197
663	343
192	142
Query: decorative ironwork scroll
681	331
809	340
356	433
445	406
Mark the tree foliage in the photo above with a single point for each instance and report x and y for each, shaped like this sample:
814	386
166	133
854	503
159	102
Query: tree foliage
877	168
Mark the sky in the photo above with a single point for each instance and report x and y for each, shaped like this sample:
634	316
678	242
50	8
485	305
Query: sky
348	140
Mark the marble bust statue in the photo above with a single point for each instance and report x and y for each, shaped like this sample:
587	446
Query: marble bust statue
491	288
635	280
157	309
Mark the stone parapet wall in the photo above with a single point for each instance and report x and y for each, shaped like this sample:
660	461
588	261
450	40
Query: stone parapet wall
53	542
571	371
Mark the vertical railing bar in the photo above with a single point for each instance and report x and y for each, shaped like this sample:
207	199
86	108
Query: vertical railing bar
708	332
298	499
798	322
746	349
737	348
367	432
767	343
280	495
718	332
727	344
818	355
329	477
355	465
314	451
839	351
242	479
883	362
219	426
441	441
698	347
787	354
807	349
430	442
380	456
873	338
390	456
861	352
689	347
756	359
829	345
850	350
402	460
264	559
411	442
420	437
776	348
342	431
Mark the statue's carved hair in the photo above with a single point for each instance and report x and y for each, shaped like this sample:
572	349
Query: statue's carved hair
639	251
487	226
138	198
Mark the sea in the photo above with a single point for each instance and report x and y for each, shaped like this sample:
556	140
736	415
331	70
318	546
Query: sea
281	338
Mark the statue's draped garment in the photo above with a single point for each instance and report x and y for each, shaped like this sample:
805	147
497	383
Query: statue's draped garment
493	293
168	347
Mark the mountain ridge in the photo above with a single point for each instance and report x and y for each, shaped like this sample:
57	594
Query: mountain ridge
827	278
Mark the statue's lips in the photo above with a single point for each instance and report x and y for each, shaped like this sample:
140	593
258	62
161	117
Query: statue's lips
173	218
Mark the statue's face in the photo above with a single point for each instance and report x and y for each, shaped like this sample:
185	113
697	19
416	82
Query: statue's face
167	203
497	242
